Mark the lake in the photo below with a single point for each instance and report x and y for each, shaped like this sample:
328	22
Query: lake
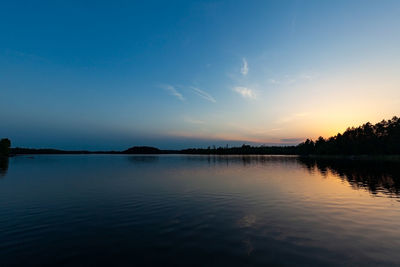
73	210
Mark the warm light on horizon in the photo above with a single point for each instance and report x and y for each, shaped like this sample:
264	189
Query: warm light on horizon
271	77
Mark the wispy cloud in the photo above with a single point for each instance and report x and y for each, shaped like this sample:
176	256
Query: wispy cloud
245	67
273	81
191	120
308	76
292	140
244	92
172	90
203	94
291	79
293	117
274	130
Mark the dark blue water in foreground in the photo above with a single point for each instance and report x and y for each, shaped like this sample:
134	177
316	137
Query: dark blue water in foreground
197	210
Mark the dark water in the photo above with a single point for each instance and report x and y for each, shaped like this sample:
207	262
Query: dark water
198	210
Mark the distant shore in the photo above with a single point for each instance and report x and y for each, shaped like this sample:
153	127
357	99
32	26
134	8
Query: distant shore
155	151
368	141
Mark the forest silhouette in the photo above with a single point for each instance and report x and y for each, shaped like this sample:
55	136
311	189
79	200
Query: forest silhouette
382	138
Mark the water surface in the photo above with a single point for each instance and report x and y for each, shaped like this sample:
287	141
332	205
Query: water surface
198	210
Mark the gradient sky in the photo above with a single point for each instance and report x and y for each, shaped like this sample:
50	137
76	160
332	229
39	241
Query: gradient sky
174	74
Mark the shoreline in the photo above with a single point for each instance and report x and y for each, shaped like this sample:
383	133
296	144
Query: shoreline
312	156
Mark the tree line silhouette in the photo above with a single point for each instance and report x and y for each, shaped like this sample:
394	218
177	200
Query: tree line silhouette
382	138
5	145
243	150
368	139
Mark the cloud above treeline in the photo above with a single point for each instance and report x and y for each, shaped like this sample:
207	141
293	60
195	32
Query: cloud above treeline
245	67
244	92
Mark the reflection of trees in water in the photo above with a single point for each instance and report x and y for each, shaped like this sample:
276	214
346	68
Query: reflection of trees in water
3	166
245	160
375	176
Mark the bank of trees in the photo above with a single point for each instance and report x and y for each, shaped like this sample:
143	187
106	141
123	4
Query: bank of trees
382	138
243	150
367	139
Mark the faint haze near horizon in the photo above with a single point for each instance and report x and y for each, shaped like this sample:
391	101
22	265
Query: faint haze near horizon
109	75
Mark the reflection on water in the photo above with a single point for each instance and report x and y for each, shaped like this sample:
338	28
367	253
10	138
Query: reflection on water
376	176
198	210
3	166
240	159
140	159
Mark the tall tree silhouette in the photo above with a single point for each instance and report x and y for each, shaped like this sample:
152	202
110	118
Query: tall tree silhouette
5	145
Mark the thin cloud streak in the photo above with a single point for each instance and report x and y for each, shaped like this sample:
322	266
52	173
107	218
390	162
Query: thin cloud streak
292	140
228	137
245	92
171	89
293	117
203	94
245	67
291	79
192	121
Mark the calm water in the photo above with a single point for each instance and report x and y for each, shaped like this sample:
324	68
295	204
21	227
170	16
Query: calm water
197	210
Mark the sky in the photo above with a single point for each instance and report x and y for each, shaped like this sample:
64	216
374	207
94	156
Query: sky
175	74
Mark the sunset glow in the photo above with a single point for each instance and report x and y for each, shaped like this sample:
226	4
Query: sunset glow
210	73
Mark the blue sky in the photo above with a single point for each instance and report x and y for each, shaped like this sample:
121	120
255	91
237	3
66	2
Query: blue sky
112	74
